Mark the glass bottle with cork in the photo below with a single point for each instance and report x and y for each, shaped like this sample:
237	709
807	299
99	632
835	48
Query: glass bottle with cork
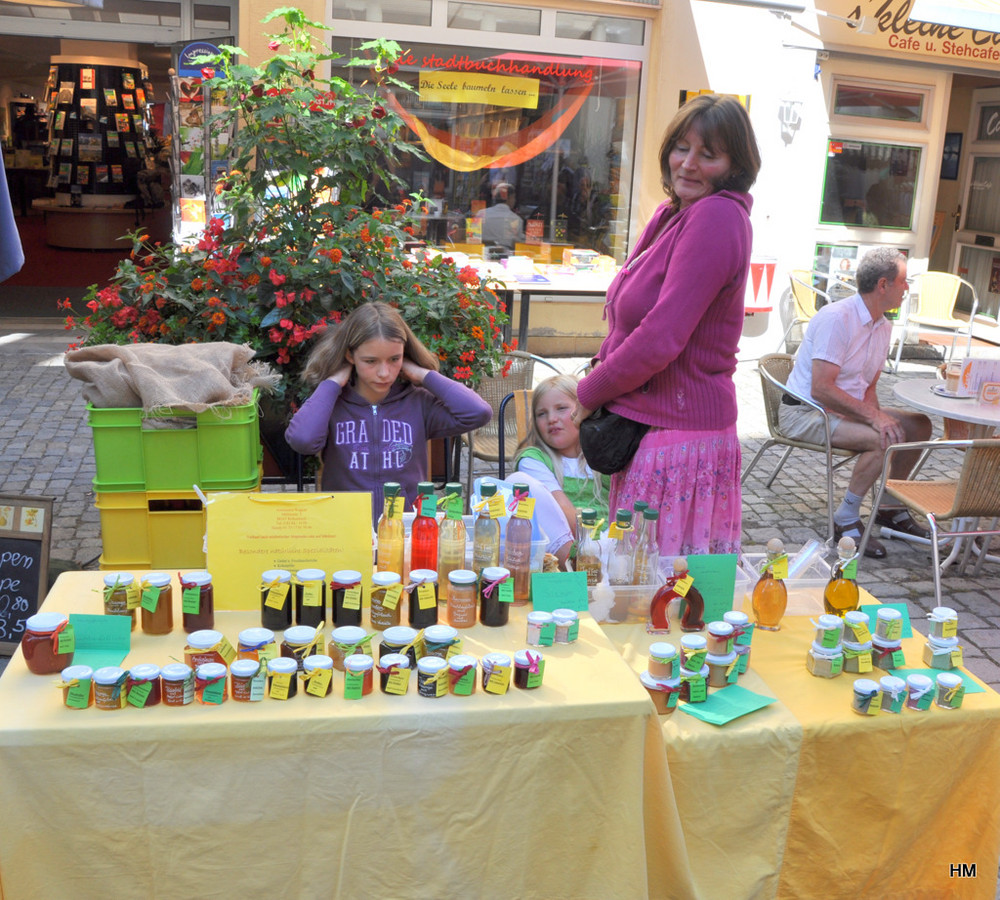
486	533
588	554
424	531
391	534
620	556
517	546
841	594
452	539
770	597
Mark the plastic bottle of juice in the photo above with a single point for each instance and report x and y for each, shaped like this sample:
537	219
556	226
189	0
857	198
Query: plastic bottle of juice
620	557
588	555
770	597
391	535
646	560
517	548
452	539
424	532
841	594
486	533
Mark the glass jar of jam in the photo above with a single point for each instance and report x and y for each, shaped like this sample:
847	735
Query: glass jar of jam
567	625
119	594
317	675
142	686
494	611
345	597
203	647
719	640
394	673
496	663
344	641
358	668
385	587
177	684
247	678
541	628
109	687
276	599
430	681
462	674
529	667
210	683
422	596
300	642
198	601
399	639
157	604
282	678
78	687
663	660
41	640
438	639
462	596
256	644
310	597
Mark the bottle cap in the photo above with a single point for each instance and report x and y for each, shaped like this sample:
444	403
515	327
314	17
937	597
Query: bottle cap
351	634
395	636
487	489
391	489
428	665
360	662
310	574
208	671
384	579
623	517
440	634
775	546
693	642
459	662
425	487
108	675
651	515
639	506
270	575
453	487
44	622
397	660
846	547
144	672
255	637
283	664
588	516
77	672
521	488
118	579
462	576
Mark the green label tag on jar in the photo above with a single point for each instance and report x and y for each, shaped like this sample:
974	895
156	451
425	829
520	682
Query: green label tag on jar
548	634
924	701
454	507
836	665
151	598
831	637
67	640
464	685
505	591
191	600
139	694
898	659
743	663
746	638
535	678
354	683
214	692
573	632
699	690
850	571
672	697
78	695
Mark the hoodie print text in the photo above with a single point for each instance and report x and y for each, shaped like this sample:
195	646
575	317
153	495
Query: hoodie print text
395	443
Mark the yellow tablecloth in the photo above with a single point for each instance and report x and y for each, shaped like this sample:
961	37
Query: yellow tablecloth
805	798
538	794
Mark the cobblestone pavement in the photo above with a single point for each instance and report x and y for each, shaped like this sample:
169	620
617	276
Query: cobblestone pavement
46	449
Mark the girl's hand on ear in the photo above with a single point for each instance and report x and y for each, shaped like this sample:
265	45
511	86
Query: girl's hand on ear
342	375
412	372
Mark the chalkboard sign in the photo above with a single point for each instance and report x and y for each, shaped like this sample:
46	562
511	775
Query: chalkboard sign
25	529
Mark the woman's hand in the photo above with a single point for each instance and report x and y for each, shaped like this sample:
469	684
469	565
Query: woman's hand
342	375
412	372
580	413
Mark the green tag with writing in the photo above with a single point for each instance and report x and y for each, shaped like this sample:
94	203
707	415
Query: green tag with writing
535	678
505	591
428	507
464	685
454	508
257	685
354	683
699	690
214	692
837	665
191	600
78	696
548	634
898	659
151	598
850	571
139	694
67	640
831	637
573	632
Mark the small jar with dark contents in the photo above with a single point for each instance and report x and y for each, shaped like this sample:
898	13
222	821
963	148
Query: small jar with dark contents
282	678
528	669
276	599
493	663
197	601
358	667
345	597
142	686
119	588
299	642
317	675
462	671
156	605
398	639
394	673
493	611
40	643
177	684
78	687
430	681
310	597
423	598
247	679
109	687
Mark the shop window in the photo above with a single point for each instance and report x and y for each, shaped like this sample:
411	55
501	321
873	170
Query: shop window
544	141
869	185
504	19
609	29
865	101
397	12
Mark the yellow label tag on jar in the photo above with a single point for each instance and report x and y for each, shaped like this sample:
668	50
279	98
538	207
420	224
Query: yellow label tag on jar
280	683
398	681
455	649
133	596
956	657
499	680
394	508
683	585
949	628
861	633
267	652
352	597
426	599
779	568
392	596
225	650
893	629
319	681
875	705
441	682
525	508
312	593
276	595
496	507
864	662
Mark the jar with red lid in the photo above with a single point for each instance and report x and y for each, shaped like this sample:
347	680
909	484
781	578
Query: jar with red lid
121	596
358	669
345	597
198	601
109	687
310	597
177	684
247	679
78	687
157	604
210	684
47	643
142	686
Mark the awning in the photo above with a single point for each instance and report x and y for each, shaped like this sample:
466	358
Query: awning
979	15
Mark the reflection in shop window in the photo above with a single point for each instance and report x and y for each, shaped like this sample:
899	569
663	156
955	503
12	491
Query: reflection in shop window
878	103
521	149
869	185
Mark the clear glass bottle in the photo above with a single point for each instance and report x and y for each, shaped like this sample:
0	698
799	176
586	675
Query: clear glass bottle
841	594
620	556
588	554
424	532
452	539
391	534
770	596
635	538
486	533
646	559
517	548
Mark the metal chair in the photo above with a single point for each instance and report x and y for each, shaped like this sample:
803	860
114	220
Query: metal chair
973	495
774	369
934	311
807	298
522	423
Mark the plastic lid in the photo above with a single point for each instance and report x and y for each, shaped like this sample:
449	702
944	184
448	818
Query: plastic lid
462	576
310	575
384	579
209	671
496	659
108	675
623	517
734	617
891	683
857	617
639	506
80	672
521	657
349	634
942	614
391	489
397	635
865	686
256	637
564	616
948	680
176	672
889	614
198	578
884	644
428	664
317	661
244	668
720	659
282	575
539	617
919	682
118	579
687	675
157	579
359	662
827	621
588	516
346	576
425	487
856	647
144	672
662	650
459	661
423	576
495	573
453	487
651	515
399	660
721	629
44	623
521	488
203	639
846	547
487	489
940	643
652	682
439	634
826	652
300	634
693	642
282	664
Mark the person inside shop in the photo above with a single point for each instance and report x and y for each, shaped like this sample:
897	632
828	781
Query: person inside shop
551	453
838	366
501	225
675	315
377	398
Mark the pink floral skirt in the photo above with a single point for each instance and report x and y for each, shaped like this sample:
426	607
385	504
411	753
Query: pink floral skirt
693	479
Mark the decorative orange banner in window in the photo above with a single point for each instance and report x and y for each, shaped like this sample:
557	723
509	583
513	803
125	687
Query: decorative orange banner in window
468	87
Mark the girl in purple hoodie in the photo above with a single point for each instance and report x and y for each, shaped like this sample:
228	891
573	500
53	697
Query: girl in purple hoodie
377	399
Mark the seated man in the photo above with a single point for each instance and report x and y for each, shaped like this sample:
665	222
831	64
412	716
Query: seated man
501	225
838	365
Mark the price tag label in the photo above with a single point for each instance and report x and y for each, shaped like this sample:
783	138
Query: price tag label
393	593
139	694
779	568
924	701
150	598
257	684
429	507
426	598
267	652
466	682
226	650
441	683
875	705
354	683
499	680
615	532
535	678
525	508
956	657
454	649
837	665
191	600
496	507
319	681
699	690
67	640
352	597
850	571
573	632
831	637
133	596
672	698
745	639
505	591
683	585
862	635
898	659
312	593
949	628
893	629
454	508
78	695
548	634
743	663
280	683
277	594
214	693
733	672
864	663
398	681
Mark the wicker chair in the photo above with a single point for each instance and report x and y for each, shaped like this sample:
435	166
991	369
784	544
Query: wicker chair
975	494
774	369
934	311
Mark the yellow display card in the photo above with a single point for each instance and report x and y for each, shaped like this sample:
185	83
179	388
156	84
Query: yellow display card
475	87
277	594
956	657
319	681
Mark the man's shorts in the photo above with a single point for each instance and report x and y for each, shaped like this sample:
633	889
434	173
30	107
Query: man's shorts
803	423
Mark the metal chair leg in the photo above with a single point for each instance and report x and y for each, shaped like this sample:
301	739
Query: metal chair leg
777	468
935	554
765	446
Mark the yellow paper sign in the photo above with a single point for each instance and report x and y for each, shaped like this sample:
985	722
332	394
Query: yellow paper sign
473	87
426	598
956	656
393	593
318	682
875	706
352	597
683	585
394	508
277	593
499	680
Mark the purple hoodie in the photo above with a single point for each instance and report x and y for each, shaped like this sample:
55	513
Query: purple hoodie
365	445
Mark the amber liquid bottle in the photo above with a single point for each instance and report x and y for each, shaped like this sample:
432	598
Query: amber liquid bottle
588	556
391	535
841	594
452	539
485	533
770	597
517	550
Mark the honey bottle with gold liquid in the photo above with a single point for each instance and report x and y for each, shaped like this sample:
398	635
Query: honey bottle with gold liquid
770	596
588	556
841	594
391	539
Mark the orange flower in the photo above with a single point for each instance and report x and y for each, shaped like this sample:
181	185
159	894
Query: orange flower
218	317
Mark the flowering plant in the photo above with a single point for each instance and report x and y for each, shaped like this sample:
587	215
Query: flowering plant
301	236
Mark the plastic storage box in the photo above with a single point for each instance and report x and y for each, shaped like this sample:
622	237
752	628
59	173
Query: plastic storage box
219	450
805	586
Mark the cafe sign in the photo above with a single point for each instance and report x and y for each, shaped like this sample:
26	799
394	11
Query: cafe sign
989	124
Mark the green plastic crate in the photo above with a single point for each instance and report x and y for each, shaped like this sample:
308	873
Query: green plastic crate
218	450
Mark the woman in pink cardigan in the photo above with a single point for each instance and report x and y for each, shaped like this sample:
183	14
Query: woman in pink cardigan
675	314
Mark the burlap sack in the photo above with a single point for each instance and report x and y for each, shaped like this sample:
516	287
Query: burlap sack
193	377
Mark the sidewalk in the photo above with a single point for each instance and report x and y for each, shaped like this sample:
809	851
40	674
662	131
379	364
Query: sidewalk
46	449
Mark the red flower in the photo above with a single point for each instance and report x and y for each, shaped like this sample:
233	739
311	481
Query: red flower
273	45
207	73
359	121
392	68
276	277
378	111
257	90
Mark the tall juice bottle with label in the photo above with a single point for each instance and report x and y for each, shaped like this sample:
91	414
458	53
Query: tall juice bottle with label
486	532
391	535
517	545
588	555
424	531
841	594
452	538
770	597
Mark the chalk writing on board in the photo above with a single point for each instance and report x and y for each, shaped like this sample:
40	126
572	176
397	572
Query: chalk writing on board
19	567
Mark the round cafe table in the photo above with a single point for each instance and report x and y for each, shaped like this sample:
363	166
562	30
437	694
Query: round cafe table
917	392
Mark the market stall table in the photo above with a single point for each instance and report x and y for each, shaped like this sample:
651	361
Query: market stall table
920	394
559	285
543	793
